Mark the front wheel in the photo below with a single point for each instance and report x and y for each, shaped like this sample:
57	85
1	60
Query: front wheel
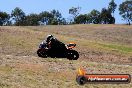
41	53
72	55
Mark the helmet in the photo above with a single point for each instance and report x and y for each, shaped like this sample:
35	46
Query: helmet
49	37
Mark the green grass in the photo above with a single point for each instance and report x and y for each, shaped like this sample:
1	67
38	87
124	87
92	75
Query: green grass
118	48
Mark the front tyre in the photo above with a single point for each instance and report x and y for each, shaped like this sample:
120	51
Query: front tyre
72	55
41	53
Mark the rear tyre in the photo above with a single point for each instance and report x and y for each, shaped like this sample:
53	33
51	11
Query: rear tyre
72	55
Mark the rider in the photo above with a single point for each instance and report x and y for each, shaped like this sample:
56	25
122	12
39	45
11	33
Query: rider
53	43
46	43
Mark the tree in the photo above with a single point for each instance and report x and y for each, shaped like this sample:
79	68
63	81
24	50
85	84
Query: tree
112	6
4	18
18	16
57	18
126	10
45	17
63	21
95	16
89	19
32	19
81	19
106	17
74	11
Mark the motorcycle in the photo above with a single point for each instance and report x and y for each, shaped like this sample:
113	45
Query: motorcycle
66	52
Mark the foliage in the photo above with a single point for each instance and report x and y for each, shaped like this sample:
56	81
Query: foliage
74	11
32	19
54	17
45	17
126	11
51	18
81	19
18	16
95	16
106	17
112	6
4	18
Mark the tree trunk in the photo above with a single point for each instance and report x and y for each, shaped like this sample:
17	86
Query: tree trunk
129	22
113	14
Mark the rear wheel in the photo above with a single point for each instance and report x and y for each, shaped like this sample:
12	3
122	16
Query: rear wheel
72	55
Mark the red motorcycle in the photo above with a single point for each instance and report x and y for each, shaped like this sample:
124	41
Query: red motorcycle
65	52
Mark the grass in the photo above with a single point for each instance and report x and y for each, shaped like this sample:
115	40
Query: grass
5	69
121	48
28	38
103	49
58	73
